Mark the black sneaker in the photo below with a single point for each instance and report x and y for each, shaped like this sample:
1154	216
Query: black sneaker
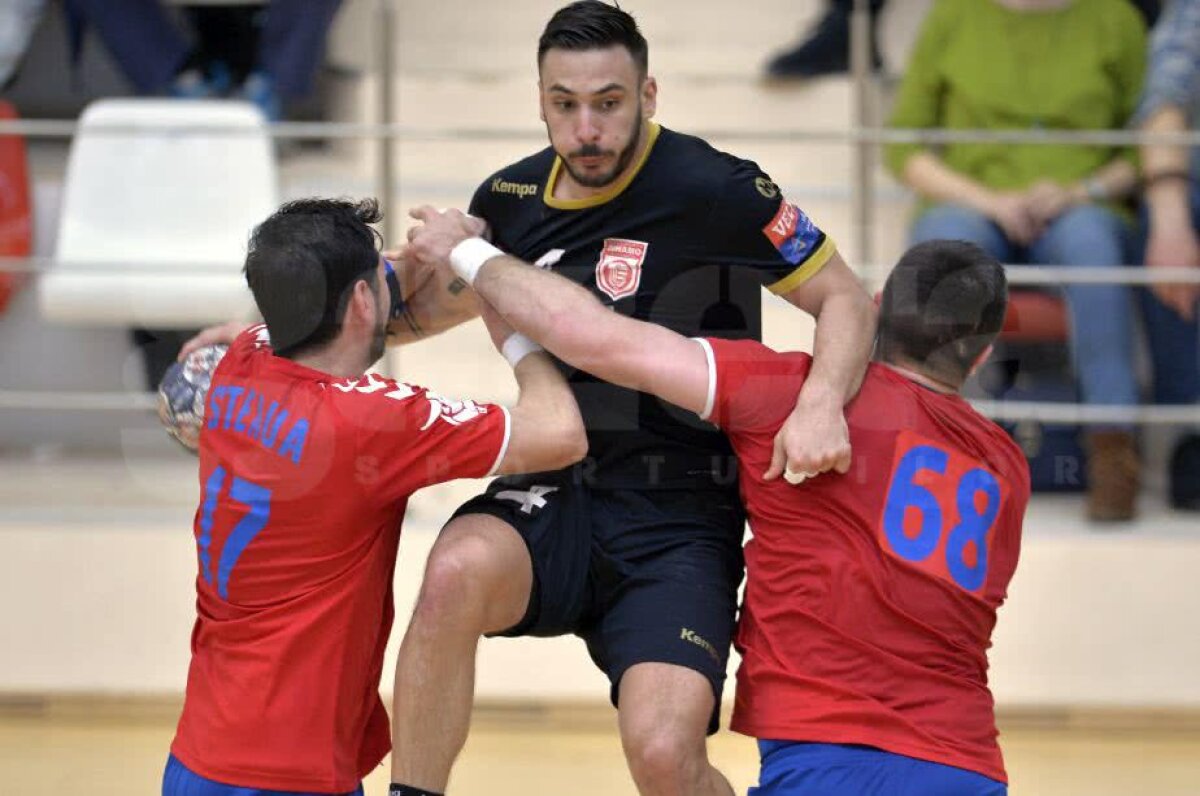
1185	474
826	51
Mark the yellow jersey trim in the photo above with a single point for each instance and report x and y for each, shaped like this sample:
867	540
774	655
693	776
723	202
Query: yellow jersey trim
607	196
807	270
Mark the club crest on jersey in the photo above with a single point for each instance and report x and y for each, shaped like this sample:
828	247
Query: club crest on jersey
793	233
619	271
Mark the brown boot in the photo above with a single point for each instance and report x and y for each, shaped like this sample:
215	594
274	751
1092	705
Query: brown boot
1113	475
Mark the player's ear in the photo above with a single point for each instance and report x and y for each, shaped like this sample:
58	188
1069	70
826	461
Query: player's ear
362	303
541	103
649	97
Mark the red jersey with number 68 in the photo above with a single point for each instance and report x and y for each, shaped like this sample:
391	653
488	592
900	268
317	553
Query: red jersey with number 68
871	596
304	479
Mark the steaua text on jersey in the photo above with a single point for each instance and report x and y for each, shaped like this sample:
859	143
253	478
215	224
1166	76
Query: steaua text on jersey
304	479
686	239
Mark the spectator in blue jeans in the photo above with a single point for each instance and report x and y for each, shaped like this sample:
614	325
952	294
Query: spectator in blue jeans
158	57
1171	103
1039	64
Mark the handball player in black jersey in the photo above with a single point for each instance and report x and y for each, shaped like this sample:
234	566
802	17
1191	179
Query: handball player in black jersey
638	549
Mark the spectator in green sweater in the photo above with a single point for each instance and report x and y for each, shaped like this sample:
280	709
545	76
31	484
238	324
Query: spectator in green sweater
1038	64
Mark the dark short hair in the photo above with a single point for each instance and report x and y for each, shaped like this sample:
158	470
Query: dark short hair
593	25
303	262
942	306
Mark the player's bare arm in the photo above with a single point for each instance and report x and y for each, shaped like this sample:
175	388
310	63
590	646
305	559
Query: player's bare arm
435	300
815	438
572	324
546	430
221	334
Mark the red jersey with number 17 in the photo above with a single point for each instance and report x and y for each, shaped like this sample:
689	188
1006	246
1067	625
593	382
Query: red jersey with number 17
304	480
871	596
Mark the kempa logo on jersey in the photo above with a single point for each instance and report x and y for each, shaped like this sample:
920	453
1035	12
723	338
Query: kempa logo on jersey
691	637
518	189
619	271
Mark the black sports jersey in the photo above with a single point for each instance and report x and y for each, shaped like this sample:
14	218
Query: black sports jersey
657	246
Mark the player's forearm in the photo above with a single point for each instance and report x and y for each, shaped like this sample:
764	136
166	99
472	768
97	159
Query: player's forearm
842	346
439	303
547	430
550	309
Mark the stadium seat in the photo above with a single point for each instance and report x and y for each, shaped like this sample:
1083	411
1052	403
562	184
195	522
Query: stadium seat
16	219
1035	316
155	219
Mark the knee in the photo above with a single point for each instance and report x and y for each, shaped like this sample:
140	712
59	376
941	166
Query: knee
455	588
662	760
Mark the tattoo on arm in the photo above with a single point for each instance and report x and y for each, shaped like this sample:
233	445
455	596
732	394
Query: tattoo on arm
411	320
457	286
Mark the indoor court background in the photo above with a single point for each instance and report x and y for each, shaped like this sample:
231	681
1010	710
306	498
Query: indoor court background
1096	665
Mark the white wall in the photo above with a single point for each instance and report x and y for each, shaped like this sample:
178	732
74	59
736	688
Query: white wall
101	600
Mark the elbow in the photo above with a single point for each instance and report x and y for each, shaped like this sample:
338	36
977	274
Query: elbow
571	444
854	300
867	309
559	441
579	444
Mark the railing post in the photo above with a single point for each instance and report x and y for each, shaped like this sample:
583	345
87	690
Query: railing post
386	63
863	196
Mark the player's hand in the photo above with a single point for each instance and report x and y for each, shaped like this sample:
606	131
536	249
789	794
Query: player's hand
498	328
1175	245
396	255
222	334
813	440
440	231
411	273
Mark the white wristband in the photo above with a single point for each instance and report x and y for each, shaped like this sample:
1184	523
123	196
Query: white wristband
469	256
516	347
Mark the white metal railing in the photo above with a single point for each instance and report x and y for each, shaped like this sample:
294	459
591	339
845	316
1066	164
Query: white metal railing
1021	275
59	128
1044	412
864	137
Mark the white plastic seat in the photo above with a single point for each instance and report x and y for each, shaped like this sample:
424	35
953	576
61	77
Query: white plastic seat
155	222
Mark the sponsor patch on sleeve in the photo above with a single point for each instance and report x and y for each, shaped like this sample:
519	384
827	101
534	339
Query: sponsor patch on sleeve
793	233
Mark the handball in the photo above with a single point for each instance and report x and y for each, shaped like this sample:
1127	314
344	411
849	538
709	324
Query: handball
183	392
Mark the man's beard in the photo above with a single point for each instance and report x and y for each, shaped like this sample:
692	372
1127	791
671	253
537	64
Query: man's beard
378	343
623	159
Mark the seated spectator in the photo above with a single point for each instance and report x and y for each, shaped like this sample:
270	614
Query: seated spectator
1038	64
1171	103
18	20
825	50
230	55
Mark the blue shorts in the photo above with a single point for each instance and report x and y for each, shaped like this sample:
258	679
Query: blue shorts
791	768
179	780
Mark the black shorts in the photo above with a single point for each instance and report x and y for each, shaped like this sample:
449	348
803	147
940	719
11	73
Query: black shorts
640	576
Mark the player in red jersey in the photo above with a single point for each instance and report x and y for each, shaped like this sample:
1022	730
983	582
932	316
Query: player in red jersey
871	595
306	465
